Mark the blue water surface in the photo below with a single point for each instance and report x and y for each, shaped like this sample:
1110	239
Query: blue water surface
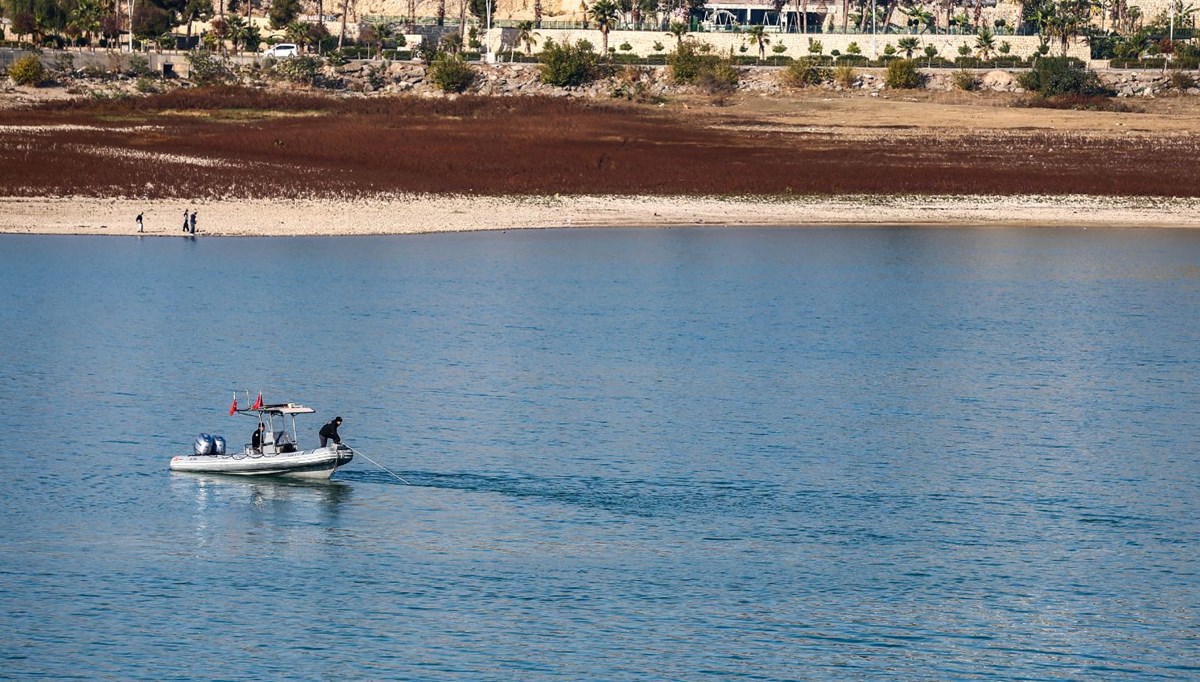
684	454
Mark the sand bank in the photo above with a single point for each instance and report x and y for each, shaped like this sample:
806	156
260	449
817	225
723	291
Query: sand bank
441	213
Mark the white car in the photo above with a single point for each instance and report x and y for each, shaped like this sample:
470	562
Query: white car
281	50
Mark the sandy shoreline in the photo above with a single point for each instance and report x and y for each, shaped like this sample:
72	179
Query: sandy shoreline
416	214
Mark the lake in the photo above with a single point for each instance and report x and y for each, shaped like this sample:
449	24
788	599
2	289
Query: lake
760	454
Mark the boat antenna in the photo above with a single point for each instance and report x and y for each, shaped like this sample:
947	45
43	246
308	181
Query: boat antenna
397	476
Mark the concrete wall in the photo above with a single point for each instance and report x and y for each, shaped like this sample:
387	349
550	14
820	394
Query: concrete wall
112	61
796	43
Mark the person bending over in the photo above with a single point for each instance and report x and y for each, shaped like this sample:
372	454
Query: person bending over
329	432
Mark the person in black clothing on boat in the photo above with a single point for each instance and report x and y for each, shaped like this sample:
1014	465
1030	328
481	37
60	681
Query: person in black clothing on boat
329	432
256	439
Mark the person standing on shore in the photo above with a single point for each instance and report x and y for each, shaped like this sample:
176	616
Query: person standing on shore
139	222
329	432
193	221
185	220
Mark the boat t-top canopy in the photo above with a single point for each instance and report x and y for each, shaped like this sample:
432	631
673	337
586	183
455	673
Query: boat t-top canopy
283	408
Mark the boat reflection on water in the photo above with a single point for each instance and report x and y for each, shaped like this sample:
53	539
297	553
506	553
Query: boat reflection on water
284	510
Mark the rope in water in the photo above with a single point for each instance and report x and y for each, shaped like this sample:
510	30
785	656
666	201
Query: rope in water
397	476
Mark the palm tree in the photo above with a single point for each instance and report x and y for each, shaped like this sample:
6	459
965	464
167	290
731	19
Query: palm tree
526	36
86	17
236	30
605	13
297	32
1064	21
929	20
345	13
757	35
909	45
678	29
985	43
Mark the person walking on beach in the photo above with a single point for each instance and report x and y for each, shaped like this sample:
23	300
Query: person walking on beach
185	220
329	432
139	222
193	221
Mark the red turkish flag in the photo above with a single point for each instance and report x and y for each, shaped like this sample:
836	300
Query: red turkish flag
233	407
258	403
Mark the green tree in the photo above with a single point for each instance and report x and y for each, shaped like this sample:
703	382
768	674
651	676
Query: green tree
284	12
605	13
151	21
930	53
196	10
908	46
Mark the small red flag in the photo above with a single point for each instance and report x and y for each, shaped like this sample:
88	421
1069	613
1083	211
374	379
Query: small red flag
258	403
233	407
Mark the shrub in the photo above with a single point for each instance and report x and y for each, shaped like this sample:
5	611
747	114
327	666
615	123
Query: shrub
1052	76
687	64
376	77
427	51
27	70
902	74
845	76
139	65
804	72
965	80
1078	102
301	69
64	64
722	78
451	74
633	83
207	68
1181	80
569	65
147	85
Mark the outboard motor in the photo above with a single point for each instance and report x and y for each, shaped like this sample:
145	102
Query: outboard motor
218	445
204	444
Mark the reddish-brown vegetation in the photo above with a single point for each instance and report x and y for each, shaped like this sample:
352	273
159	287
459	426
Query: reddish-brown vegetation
240	142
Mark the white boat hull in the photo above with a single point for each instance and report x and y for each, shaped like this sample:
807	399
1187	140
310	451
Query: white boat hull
319	463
